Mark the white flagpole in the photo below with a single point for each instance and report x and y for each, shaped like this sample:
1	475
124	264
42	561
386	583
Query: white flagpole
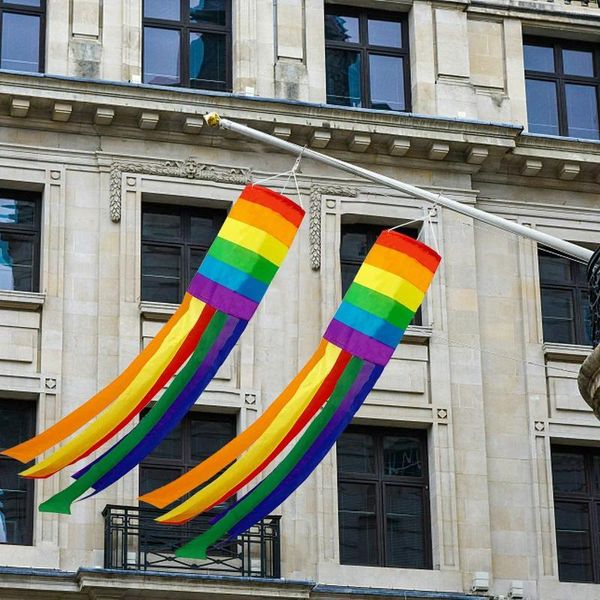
214	120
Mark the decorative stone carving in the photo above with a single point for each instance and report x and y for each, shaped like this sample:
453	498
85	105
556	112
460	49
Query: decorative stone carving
190	169
314	212
540	426
442	414
50	384
594	279
250	399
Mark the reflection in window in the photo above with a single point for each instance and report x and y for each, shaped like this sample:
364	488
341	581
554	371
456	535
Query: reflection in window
188	43
19	240
17	423
383	501
21	31
565	300
366	59
562	84
174	242
576	477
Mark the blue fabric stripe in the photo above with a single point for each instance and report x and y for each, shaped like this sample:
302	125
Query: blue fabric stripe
369	324
232	278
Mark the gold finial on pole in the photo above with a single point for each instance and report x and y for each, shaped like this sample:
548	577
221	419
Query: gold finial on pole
212	119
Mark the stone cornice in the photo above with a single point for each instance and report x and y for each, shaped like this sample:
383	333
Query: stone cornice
153	113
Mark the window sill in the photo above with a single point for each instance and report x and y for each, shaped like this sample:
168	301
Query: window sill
418	334
22	300
567	352
157	311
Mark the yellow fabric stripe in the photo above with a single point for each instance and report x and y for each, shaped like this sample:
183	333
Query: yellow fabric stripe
254	239
390	285
126	401
263	447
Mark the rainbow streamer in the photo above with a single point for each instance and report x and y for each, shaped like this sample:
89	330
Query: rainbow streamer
221	299
360	340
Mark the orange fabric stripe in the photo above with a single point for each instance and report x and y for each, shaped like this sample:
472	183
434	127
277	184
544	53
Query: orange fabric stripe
166	494
264	218
69	424
400	264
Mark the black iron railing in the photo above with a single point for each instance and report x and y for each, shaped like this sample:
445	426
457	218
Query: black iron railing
594	279
133	540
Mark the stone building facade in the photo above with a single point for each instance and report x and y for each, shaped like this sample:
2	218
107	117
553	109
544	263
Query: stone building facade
90	138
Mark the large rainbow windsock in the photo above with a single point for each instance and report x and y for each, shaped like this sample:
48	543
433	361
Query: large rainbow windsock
358	343
220	300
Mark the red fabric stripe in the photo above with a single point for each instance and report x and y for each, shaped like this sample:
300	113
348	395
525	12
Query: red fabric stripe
266	197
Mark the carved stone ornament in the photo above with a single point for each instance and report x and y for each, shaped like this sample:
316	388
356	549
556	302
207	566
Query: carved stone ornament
316	194
189	169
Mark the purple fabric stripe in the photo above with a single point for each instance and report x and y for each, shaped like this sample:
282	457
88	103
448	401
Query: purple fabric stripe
221	298
354	398
358	343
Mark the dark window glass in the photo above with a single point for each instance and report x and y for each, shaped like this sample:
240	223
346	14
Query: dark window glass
19	240
343	77
576	477
357	240
17	422
194	439
366	59
383	498
21	35
565	300
563	84
174	242
188	43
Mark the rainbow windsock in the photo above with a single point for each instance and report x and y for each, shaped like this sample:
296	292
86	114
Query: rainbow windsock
220	300
358	343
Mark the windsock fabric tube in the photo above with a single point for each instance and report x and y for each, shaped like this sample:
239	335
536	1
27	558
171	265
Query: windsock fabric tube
220	300
387	291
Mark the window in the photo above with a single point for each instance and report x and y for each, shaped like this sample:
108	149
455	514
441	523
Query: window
563	83
366	55
174	242
197	437
188	43
17	423
576	478
19	240
383	498
566	314
22	35
357	240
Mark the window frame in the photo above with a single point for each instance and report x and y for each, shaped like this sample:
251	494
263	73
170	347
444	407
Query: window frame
185	243
33	232
365	50
31	407
11	7
560	79
589	497
185	27
380	480
575	286
368	229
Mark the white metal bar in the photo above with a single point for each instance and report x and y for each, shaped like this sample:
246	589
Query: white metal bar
563	246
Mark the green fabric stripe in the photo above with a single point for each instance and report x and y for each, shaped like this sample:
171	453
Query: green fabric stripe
197	547
243	259
61	502
380	305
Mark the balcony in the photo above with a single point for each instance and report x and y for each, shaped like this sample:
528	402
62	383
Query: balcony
134	541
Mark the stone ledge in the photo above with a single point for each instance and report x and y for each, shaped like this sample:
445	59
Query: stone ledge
157	311
566	352
589	381
22	300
